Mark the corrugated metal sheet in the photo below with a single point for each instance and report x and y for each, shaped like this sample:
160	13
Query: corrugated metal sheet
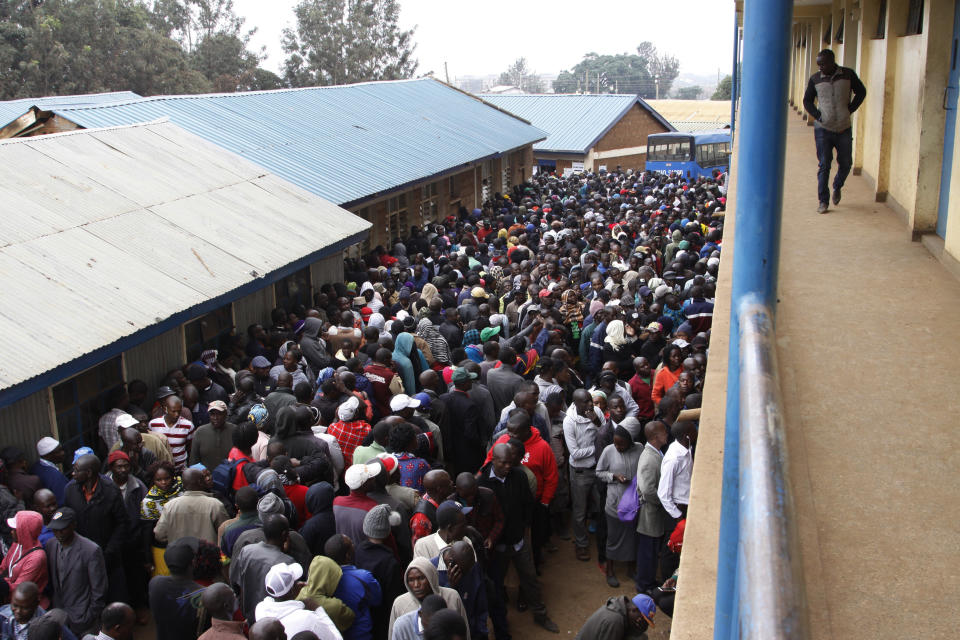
253	309
343	143
692	126
128	226
149	361
10	110
324	271
574	122
26	421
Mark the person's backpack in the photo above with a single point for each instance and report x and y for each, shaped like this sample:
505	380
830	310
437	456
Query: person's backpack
224	475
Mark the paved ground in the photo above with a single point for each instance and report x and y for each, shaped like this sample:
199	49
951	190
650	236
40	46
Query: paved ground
869	353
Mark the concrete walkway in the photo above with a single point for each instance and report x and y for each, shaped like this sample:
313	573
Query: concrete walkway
869	349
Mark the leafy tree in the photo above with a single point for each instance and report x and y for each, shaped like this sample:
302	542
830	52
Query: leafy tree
689	93
624	73
519	75
343	41
724	89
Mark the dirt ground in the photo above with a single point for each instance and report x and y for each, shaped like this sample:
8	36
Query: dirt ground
572	591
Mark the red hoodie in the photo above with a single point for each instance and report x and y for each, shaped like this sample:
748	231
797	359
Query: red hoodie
21	564
540	460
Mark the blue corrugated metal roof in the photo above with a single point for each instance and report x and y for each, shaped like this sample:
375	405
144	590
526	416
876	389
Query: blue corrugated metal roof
13	109
343	143
575	122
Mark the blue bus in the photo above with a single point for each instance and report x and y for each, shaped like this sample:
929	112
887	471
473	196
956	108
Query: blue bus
693	155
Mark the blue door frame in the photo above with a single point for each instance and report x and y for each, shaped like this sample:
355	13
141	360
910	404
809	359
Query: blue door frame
950	124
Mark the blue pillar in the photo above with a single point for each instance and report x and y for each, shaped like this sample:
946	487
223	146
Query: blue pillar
735	74
759	167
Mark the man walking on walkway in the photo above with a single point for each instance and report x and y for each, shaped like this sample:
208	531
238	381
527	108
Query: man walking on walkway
831	87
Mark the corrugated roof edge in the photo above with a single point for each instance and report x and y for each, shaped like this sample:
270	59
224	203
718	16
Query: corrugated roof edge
53	376
76	132
637	99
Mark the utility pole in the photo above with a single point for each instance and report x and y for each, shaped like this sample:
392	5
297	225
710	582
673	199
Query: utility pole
445	72
656	80
598	82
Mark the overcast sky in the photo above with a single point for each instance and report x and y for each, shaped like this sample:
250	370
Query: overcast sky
484	38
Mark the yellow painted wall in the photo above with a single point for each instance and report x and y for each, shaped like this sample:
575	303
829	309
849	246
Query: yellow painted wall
905	121
951	241
871	112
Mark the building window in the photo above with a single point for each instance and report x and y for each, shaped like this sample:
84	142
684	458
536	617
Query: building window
881	30
915	18
505	183
429	207
397	224
80	401
828	32
209	331
454	191
293	290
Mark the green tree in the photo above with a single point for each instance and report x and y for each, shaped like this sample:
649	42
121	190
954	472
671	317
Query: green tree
519	75
637	73
343	41
689	93
724	89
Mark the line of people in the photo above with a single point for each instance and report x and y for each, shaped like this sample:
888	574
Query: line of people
372	465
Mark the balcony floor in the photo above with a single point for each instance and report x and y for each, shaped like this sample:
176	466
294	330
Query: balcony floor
869	353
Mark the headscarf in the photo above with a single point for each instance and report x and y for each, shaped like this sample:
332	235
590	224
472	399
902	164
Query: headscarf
571	309
428	293
156	499
258	415
437	343
322	580
616	335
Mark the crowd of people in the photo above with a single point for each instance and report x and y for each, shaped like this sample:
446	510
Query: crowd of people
489	392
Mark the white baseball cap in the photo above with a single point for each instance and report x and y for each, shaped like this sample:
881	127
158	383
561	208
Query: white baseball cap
402	401
281	577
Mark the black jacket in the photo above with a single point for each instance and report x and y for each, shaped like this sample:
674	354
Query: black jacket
515	500
103	519
467	450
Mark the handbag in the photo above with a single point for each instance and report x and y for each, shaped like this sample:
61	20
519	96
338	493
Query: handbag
629	505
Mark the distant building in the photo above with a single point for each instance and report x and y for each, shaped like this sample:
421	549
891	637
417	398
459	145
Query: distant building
587	131
504	90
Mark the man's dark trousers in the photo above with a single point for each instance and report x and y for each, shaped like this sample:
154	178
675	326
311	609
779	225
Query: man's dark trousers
827	141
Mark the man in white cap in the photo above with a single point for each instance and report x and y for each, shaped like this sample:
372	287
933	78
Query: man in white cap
47	467
283	586
351	509
403	405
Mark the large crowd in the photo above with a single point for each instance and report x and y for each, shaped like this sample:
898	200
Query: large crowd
491	391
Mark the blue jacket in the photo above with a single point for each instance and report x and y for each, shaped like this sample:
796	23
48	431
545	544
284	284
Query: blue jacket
51	477
359	590
473	592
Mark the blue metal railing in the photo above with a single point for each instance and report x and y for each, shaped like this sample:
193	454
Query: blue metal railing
758	592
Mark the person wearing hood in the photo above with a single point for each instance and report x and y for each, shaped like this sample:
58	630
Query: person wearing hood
321	525
269	505
358	589
421	580
409	361
312	346
322	581
621	618
295	615
26	561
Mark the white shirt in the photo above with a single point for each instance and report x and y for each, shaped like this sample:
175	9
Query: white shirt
675	472
295	618
580	434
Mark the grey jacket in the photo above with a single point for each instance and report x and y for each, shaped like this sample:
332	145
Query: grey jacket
80	583
651	521
832	93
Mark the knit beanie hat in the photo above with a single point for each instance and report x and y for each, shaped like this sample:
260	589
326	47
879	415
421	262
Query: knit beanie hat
379	520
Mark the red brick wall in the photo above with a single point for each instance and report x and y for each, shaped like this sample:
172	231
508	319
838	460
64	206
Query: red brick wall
635	161
631	131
